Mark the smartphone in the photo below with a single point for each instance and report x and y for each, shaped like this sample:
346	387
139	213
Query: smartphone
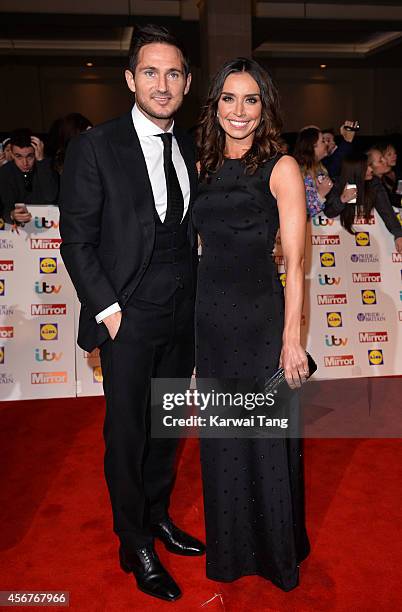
351	186
399	188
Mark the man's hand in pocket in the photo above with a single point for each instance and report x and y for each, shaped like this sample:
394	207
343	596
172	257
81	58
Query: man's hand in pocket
113	323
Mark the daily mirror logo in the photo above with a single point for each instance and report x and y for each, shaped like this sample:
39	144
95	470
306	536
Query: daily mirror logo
330	299
48	378
373	336
6	265
331	361
46	243
48	309
6	332
366	277
323	240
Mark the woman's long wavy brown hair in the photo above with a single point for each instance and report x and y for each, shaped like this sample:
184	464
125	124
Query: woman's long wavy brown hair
353	171
304	153
267	139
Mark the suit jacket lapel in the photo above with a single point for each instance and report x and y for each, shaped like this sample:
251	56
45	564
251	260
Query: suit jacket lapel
188	154
131	159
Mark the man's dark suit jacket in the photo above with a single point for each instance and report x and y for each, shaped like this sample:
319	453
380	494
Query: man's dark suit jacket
107	218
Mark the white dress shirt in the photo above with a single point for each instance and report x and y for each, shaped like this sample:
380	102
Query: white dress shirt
152	148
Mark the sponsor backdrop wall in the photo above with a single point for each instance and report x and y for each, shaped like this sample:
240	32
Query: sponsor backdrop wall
352	317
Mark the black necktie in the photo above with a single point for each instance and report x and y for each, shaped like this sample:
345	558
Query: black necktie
175	202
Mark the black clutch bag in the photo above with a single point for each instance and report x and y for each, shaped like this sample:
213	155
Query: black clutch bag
277	382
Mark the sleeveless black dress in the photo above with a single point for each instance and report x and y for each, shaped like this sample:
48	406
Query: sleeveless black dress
253	488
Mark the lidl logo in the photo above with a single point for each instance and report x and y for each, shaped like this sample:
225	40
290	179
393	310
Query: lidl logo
327	260
49	331
97	374
362	239
48	265
1	354
2	287
334	319
282	278
369	296
376	357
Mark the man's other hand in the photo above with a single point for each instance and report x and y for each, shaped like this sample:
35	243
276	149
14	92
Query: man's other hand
39	148
20	214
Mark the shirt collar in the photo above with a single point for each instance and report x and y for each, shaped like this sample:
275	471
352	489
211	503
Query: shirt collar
144	126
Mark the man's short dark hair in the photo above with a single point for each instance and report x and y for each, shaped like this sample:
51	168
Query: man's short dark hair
328	131
21	138
154	34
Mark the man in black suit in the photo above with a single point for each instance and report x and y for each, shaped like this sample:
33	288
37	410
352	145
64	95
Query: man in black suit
128	246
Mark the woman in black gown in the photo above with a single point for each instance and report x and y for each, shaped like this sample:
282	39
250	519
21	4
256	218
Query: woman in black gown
253	488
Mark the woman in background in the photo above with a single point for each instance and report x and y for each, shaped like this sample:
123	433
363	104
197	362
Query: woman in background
390	179
369	194
253	488
310	149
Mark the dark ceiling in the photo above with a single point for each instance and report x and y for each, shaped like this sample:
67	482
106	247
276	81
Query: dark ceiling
17	26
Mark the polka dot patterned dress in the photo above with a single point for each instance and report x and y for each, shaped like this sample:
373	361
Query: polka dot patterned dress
253	488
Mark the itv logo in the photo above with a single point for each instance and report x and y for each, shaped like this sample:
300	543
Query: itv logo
334	341
320	221
44	355
43	223
44	287
325	279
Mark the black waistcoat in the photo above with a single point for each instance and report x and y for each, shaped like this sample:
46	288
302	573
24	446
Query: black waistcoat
169	270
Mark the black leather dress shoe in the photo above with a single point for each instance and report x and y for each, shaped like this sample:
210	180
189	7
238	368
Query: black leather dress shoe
176	540
151	576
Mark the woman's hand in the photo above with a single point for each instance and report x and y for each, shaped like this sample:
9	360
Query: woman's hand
294	361
324	186
349	193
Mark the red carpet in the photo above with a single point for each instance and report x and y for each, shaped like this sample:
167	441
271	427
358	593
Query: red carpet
56	521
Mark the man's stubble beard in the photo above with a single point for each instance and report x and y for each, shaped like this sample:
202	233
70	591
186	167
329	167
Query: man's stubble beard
151	113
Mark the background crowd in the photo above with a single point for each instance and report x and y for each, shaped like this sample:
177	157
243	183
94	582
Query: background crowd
343	175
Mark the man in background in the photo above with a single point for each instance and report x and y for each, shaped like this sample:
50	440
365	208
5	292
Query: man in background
336	152
27	179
